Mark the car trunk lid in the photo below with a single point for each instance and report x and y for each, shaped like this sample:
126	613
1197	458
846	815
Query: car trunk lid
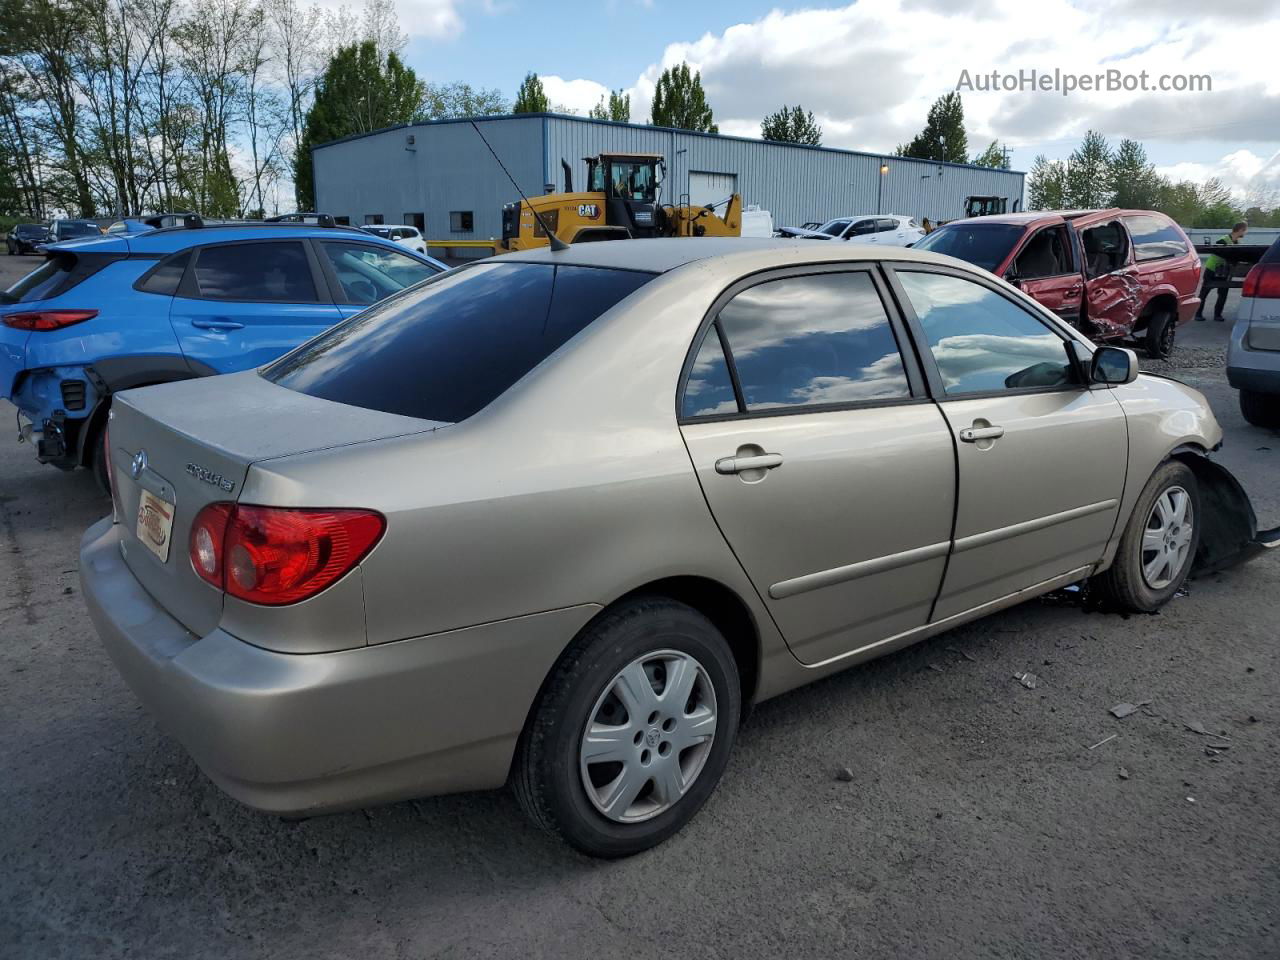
175	448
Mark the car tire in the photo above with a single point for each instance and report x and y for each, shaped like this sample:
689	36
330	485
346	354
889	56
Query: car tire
1162	331
1157	549
100	459
1260	409
668	765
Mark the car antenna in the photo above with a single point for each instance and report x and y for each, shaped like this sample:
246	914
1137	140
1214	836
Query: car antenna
556	243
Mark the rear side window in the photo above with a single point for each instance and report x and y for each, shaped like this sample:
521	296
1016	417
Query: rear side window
709	390
448	348
813	341
1155	238
276	271
165	276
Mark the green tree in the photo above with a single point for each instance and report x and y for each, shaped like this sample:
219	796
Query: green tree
357	93
442	101
617	108
531	98
943	137
1047	184
792	125
679	101
1088	173
993	156
1132	179
1216	206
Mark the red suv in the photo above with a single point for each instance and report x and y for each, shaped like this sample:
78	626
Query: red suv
1110	273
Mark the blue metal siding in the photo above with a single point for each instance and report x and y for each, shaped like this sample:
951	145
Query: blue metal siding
449	169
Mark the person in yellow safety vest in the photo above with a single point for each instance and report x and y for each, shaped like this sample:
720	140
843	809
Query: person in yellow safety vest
1216	268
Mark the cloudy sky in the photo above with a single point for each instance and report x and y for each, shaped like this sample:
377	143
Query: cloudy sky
869	70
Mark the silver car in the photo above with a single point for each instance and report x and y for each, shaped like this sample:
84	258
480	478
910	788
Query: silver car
557	518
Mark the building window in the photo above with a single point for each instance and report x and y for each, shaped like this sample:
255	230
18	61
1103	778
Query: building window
372	218
461	221
418	220
342	221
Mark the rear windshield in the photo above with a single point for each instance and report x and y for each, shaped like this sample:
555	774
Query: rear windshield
31	230
449	347
1273	253
42	282
982	244
73	228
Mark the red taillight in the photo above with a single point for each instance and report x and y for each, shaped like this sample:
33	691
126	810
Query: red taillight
279	555
48	319
1262	282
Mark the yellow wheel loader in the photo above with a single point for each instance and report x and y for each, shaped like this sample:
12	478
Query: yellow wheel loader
622	202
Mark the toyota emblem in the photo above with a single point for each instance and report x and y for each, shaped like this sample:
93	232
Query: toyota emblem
139	463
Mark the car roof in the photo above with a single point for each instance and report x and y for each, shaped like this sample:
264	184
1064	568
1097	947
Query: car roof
664	254
173	239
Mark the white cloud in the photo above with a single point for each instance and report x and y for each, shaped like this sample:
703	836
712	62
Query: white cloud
1252	180
578	95
870	70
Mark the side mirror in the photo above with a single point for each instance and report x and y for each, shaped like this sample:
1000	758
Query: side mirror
1113	365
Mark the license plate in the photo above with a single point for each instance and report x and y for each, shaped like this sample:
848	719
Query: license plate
155	524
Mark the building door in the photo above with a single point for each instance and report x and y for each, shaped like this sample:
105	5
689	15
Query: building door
707	188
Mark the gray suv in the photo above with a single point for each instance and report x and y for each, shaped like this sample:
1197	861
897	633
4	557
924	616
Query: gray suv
1253	359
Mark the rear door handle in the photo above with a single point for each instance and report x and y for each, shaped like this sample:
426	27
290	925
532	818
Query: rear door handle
765	461
217	325
974	434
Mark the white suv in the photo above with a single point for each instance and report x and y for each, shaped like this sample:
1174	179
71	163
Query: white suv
890	229
1253	359
402	234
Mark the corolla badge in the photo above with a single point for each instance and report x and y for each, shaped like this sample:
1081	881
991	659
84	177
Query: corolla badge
208	476
139	463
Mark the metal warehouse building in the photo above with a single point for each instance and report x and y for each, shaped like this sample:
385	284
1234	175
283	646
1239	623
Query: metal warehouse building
439	176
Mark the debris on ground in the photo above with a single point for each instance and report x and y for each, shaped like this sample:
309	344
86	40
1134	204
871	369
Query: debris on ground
1195	726
1122	773
964	653
1122	710
844	775
1027	679
1107	740
935	667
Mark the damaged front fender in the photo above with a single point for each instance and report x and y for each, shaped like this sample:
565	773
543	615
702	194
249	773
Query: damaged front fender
1229	533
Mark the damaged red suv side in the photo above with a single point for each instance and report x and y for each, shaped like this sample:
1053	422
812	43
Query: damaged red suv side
1113	274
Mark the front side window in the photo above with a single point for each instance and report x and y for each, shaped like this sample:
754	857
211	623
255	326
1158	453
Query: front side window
276	271
368	274
448	348
1047	254
1155	238
981	341
812	341
862	228
632	180
1106	248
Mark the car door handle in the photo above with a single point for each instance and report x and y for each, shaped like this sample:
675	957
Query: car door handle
765	461
974	434
217	325
1073	291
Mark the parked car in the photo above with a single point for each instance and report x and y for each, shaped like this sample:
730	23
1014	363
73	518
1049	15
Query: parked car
1253	358
1113	274
105	314
61	230
889	229
557	518
399	233
25	237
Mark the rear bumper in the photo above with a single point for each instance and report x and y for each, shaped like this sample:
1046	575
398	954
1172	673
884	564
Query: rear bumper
1258	381
312	733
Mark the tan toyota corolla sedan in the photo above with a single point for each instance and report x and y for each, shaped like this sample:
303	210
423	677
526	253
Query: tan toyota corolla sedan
556	518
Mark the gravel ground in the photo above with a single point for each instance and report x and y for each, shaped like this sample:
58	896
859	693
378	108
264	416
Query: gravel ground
981	820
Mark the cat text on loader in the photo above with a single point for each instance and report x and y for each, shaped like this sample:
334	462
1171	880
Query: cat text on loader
621	203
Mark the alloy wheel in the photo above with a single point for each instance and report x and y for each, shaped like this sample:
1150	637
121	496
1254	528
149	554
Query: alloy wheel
1166	539
648	736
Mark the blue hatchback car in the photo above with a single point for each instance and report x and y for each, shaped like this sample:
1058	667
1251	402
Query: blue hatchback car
129	310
